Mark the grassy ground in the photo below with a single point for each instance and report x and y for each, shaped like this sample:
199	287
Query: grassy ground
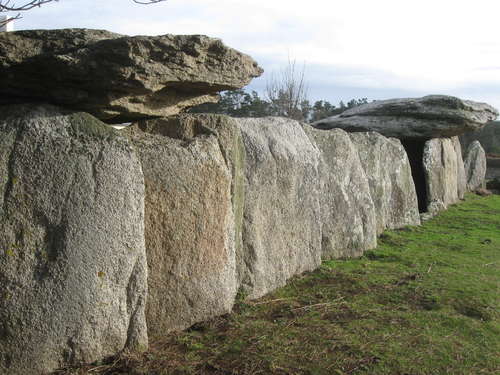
426	301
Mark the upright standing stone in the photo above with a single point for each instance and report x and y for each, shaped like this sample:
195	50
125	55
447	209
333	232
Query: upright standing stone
190	228
461	179
230	142
475	166
72	258
282	219
440	166
392	189
348	215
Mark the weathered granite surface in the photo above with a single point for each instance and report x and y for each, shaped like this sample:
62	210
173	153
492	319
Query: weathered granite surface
189	221
118	78
282	217
226	130
440	166
213	205
72	257
392	189
475	166
432	116
348	216
461	179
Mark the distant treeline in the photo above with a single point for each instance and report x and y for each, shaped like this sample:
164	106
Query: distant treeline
489	137
240	103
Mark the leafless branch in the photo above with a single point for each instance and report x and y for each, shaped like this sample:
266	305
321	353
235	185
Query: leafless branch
10	6
287	90
10	19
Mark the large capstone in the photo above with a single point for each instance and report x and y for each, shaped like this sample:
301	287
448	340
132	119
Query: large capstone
432	116
281	224
392	189
348	215
118	78
190	225
72	258
475	166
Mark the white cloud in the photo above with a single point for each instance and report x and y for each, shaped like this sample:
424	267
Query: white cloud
425	46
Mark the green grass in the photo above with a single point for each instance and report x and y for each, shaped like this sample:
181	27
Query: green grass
426	301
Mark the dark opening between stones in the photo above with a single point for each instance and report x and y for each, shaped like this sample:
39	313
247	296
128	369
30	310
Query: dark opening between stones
415	151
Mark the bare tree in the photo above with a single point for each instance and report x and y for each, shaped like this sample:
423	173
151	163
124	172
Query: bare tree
9	6
12	6
286	91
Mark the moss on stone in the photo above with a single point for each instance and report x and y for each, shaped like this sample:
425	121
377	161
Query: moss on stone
238	190
84	124
7	140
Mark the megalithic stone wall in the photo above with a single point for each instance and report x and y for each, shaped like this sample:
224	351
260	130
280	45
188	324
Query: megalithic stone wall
72	257
427	127
196	207
188	210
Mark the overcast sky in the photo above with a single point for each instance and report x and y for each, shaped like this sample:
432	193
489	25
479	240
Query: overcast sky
377	49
